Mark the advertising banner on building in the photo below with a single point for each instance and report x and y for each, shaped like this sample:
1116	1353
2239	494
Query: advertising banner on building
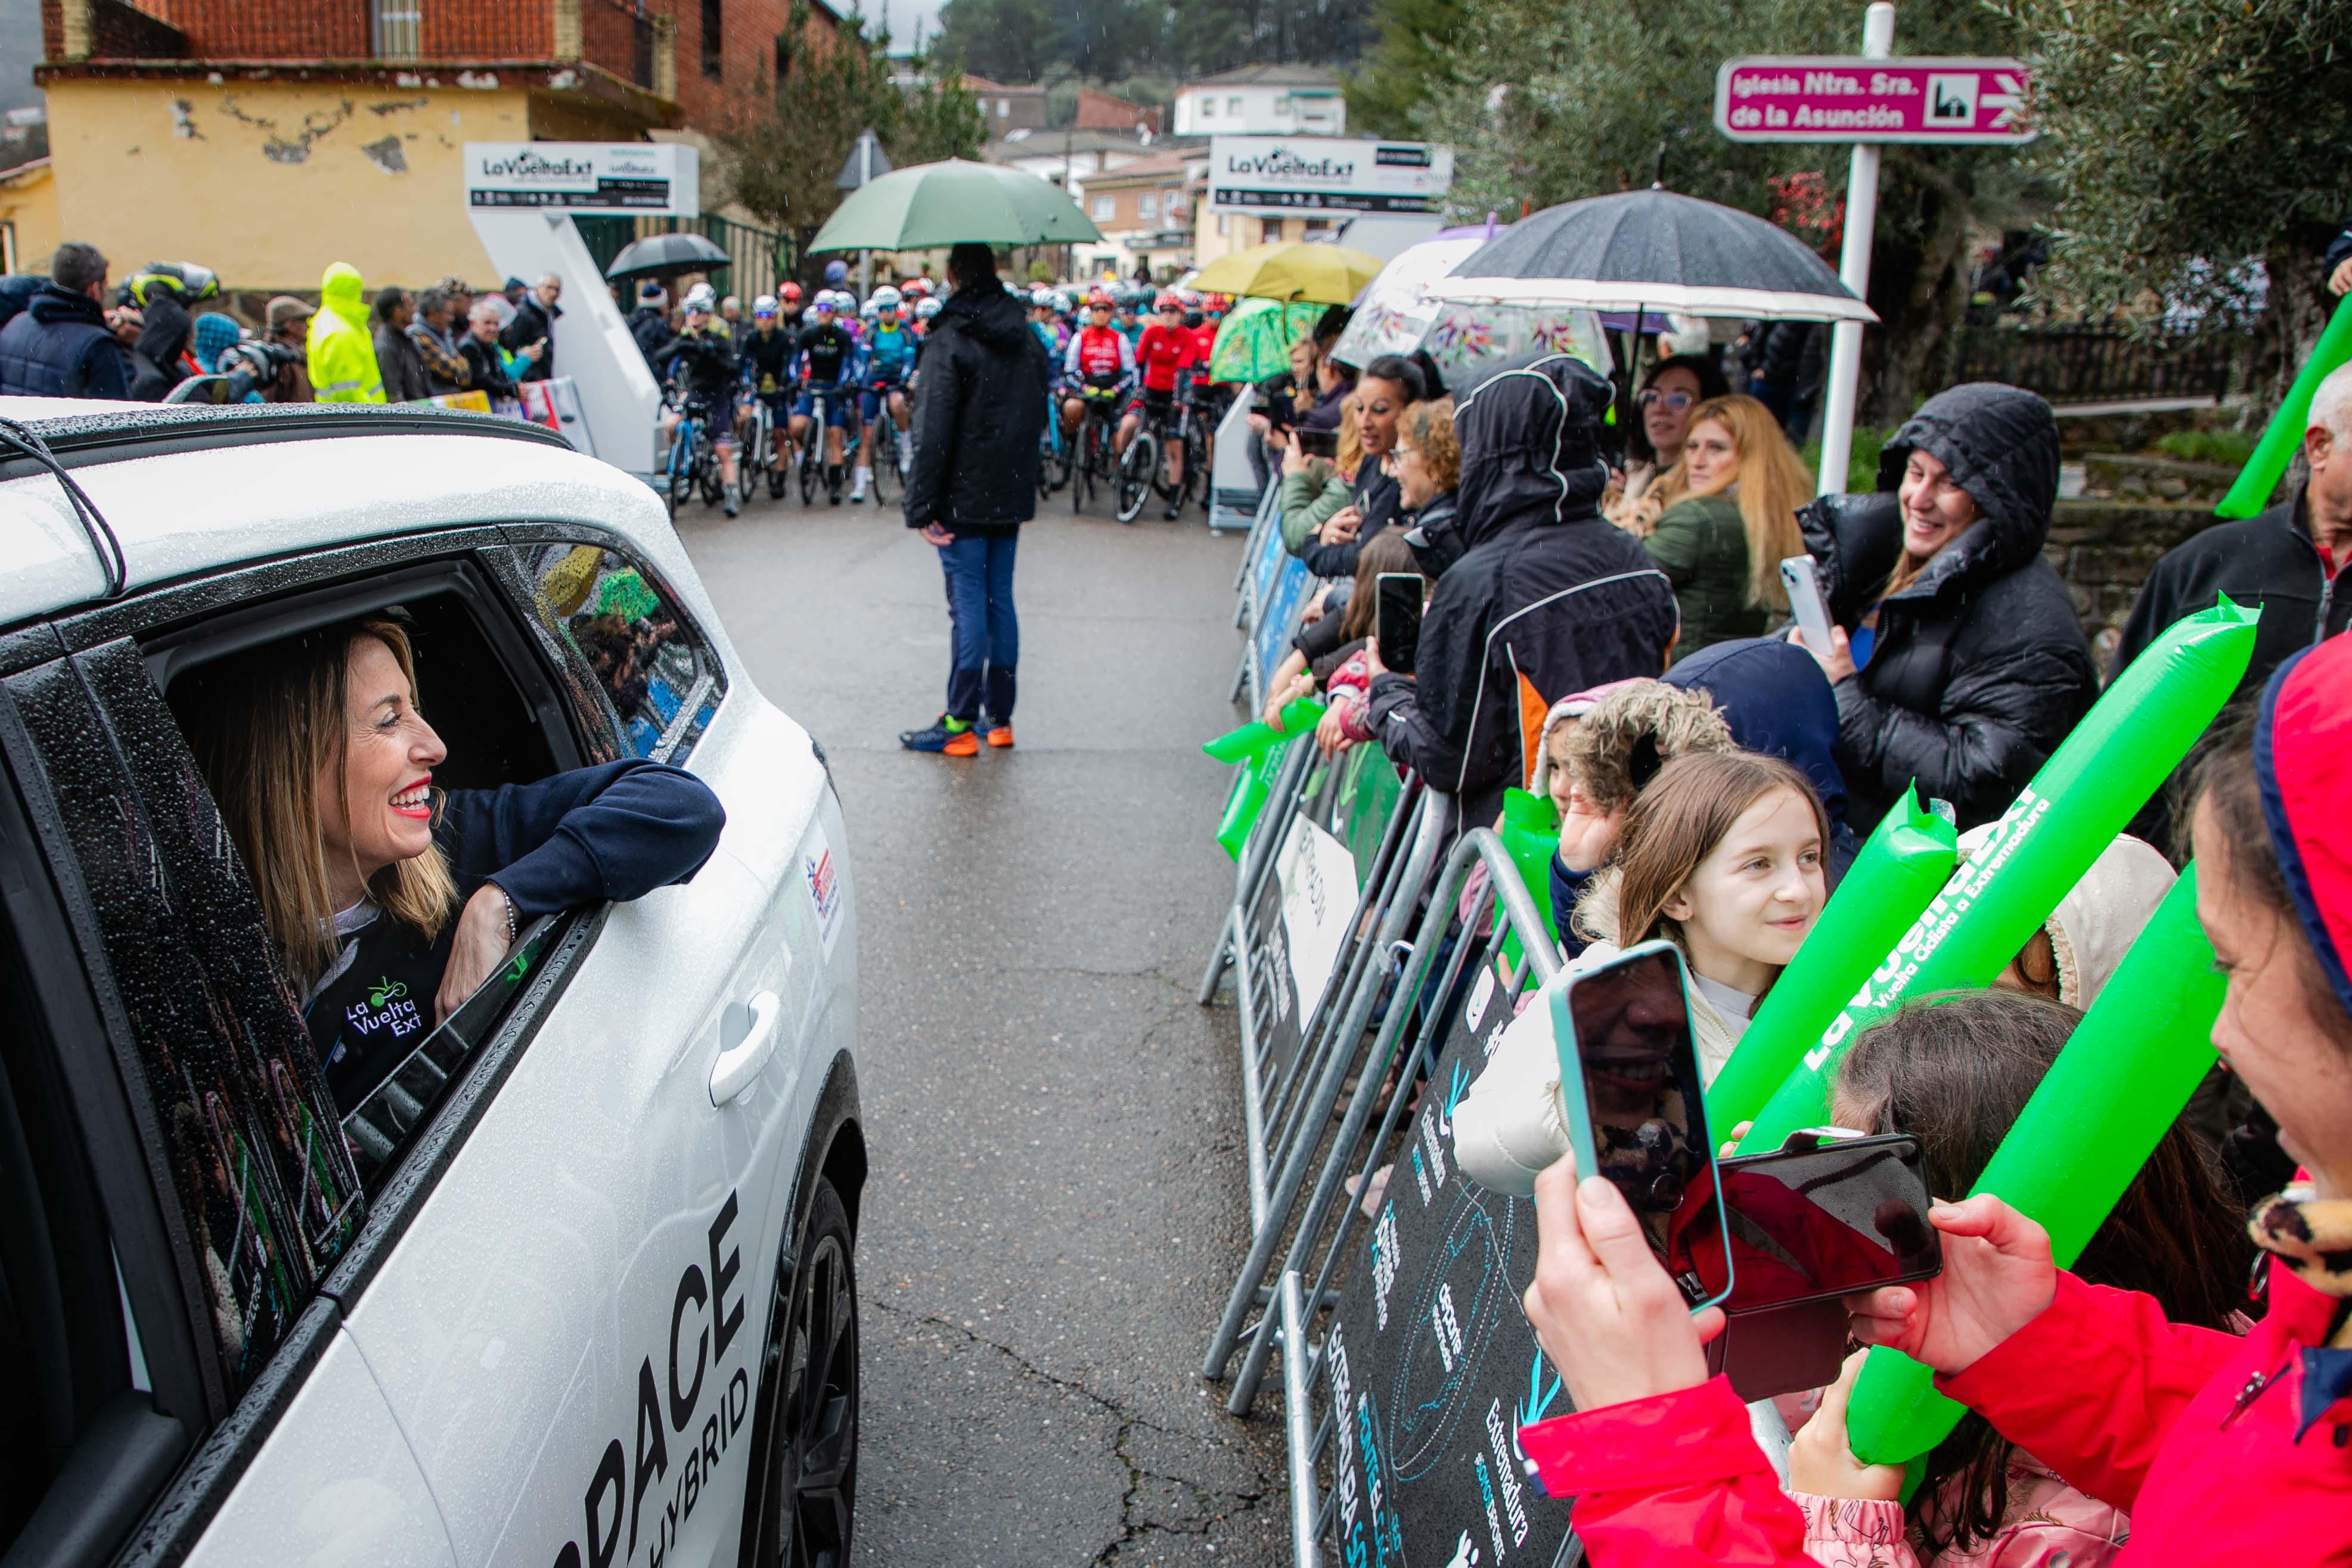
655	179
1276	174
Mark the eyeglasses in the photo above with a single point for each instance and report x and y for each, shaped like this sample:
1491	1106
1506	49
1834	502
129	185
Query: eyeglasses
1675	401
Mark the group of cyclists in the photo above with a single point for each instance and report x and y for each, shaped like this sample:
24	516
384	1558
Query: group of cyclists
1131	356
794	365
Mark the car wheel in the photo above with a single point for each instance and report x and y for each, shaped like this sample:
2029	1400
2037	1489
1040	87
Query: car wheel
809	1380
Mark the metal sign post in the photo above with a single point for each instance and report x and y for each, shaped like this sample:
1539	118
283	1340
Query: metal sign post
1868	101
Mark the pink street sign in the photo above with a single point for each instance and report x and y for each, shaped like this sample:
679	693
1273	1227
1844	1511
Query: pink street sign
1842	99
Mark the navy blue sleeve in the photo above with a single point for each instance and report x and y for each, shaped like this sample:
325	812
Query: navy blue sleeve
1567	887
106	370
615	831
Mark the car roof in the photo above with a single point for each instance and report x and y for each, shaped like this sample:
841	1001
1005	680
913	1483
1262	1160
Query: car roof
192	490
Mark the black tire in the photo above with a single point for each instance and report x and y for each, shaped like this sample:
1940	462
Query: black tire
811	468
806	1491
1138	466
885	462
1081	471
708	479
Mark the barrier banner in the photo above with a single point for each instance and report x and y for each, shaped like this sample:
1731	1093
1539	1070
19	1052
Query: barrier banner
1431	1366
1277	618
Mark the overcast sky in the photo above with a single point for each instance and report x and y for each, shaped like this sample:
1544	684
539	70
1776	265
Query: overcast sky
902	15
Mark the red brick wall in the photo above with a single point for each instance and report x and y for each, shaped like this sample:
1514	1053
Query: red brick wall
747	49
338	29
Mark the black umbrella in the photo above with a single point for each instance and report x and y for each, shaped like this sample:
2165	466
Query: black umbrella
686	252
1654	251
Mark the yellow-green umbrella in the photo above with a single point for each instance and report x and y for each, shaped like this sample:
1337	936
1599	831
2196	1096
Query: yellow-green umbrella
1302	270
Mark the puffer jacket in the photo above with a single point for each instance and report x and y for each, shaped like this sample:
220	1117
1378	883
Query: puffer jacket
2221	1449
1978	667
342	359
980	408
1548	597
1702	543
399	363
60	346
2048	1524
1772	695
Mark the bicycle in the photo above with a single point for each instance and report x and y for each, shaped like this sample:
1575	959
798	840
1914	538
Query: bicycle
1190	432
693	461
759	455
1090	461
1140	471
813	460
1053	461
889	471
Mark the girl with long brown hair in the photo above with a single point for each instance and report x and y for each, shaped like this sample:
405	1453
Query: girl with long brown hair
390	899
1722	855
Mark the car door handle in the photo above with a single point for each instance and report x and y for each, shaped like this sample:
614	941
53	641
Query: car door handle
736	1068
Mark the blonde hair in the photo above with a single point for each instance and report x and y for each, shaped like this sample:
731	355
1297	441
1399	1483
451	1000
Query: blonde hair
1351	440
1772	485
264	725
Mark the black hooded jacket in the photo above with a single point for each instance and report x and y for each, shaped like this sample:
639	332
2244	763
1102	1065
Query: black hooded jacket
1978	667
980	408
1547	597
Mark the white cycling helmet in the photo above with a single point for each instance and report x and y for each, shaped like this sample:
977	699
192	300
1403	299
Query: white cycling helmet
703	297
1061	303
764	306
885	298
822	300
925	308
871	311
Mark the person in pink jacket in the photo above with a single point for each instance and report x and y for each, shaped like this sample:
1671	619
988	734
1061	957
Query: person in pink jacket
2221	1449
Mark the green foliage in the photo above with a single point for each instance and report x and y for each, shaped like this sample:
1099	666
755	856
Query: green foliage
1036	40
781	165
1861	461
2180	133
2229	448
1414	39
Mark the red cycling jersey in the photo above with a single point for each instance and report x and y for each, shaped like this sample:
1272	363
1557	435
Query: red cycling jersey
1162	351
1098	354
1205	342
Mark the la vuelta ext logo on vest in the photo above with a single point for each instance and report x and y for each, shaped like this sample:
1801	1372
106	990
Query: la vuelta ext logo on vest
388	1006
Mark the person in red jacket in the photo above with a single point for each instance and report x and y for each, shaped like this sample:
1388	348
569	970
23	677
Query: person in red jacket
2221	1449
1162	354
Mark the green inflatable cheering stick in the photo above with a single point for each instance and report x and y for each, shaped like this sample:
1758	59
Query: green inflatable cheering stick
2117	758
2260	477
2127	1069
1261	746
1907	857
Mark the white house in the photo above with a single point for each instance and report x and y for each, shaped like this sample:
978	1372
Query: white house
1264	101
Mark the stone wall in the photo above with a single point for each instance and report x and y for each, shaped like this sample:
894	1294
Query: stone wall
2132	510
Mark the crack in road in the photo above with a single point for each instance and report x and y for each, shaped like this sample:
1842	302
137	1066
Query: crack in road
1131	1528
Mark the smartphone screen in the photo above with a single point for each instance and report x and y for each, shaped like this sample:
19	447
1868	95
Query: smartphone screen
1318	442
1642	1105
1397	620
1807	1223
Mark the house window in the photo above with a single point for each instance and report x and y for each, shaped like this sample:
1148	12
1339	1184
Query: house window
399	29
1146	205
1282	104
1003	109
1208	108
1269	231
1106	208
710	37
1233	108
1224	223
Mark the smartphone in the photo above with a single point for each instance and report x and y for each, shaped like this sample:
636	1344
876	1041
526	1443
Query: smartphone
1827	1218
1317	443
1396	619
1802	579
1629	1077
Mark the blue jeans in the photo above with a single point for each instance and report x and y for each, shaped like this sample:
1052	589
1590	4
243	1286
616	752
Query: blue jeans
983	627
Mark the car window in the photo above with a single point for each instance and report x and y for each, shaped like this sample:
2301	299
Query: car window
267	1195
642	658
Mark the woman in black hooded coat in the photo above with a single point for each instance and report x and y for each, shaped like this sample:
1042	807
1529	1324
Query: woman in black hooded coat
1975	666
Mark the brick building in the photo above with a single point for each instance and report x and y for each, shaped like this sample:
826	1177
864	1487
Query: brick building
268	138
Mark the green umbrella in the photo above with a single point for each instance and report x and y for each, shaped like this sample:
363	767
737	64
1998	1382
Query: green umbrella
952	202
1254	343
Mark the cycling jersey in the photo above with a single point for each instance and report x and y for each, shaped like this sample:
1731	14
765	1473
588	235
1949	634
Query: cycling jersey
1205	343
1099	355
826	352
1164	351
767	360
704	361
890	356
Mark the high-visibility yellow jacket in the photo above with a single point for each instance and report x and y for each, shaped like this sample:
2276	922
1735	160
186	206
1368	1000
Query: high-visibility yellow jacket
342	359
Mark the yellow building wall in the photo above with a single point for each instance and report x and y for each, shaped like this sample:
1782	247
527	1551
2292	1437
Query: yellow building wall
1208	244
29	202
268	182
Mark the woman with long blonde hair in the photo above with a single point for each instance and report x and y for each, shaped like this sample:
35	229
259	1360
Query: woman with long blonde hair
1721	544
391	900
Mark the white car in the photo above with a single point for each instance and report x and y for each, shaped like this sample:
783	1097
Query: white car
576	1286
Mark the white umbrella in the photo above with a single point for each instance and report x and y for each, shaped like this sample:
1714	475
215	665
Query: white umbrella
1401	311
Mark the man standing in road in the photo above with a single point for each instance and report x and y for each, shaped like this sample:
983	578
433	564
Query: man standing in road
62	344
534	322
980	409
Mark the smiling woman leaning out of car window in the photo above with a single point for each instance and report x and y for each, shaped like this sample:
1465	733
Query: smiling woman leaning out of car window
392	900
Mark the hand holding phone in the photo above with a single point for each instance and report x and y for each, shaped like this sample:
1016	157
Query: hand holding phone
1397	620
1318	442
1802	579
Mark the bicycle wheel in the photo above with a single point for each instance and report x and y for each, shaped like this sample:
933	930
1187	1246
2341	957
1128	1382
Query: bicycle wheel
707	477
1137	468
1082	466
887	477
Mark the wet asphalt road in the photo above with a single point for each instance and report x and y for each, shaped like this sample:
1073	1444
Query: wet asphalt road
1056	1202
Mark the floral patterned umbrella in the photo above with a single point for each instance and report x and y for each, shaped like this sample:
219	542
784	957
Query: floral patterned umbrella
1397	315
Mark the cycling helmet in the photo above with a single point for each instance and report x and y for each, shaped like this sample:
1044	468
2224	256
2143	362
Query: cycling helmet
183	279
1098	299
822	300
703	297
925	308
764	306
790	294
836	272
873	309
885	298
916	288
1061	303
1167	301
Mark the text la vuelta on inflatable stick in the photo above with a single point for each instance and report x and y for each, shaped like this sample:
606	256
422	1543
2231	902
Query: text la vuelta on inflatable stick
2126	1072
2116	758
